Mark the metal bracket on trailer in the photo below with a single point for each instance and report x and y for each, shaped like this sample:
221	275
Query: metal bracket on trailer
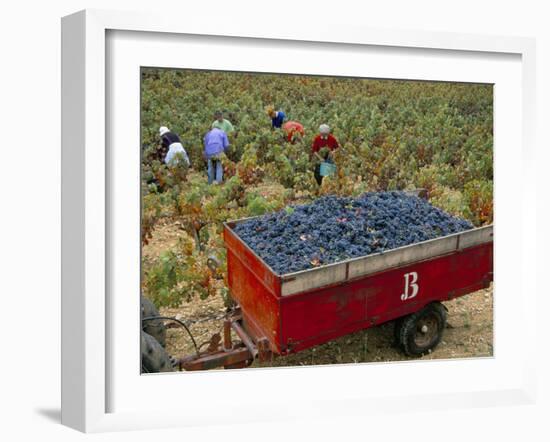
224	353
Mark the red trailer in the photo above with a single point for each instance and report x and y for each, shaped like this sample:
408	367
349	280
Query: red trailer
282	314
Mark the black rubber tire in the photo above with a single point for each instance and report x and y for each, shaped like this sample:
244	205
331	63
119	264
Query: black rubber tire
397	324
154	358
154	327
412	340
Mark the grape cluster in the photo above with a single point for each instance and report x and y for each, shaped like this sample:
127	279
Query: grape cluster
333	229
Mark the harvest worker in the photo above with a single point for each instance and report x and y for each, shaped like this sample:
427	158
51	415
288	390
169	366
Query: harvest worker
277	117
222	123
171	143
292	129
324	140
215	143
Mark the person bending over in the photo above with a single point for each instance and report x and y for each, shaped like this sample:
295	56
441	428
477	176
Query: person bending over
215	144
171	143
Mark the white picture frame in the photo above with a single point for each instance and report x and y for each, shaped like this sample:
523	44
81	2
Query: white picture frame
85	233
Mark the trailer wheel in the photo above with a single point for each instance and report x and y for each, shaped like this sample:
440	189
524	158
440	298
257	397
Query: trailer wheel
154	327
154	358
422	331
397	324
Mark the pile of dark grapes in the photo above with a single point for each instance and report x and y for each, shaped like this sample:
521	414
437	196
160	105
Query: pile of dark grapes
333	229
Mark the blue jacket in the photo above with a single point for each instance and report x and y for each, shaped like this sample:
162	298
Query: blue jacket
278	120
215	142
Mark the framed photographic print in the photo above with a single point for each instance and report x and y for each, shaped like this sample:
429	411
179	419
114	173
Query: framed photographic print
289	213
285	231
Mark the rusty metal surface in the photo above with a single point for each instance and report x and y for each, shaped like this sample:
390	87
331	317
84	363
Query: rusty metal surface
218	359
227	343
245	338
224	353
214	343
264	352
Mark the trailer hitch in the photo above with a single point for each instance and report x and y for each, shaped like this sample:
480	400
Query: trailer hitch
224	352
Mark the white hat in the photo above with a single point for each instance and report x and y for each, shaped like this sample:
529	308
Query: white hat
163	130
324	129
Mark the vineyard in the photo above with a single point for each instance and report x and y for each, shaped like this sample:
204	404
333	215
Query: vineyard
394	135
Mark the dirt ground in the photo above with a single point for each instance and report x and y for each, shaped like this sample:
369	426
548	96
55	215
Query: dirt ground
469	332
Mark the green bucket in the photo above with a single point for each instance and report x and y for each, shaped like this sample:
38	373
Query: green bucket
327	168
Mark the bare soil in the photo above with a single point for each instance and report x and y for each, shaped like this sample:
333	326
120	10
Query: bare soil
469	332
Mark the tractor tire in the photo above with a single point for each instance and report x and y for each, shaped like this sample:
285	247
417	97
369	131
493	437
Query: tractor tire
154	358
154	327
421	332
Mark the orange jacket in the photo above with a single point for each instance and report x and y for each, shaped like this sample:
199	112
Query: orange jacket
292	127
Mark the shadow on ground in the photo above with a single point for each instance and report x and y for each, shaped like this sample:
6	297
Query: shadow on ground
51	414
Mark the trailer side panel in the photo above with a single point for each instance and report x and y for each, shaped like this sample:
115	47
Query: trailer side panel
317	316
255	288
